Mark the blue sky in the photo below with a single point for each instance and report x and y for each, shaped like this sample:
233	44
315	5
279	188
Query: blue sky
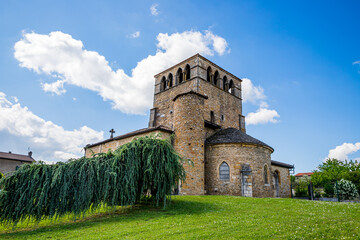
300	60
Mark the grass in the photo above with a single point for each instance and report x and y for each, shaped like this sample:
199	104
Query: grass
207	217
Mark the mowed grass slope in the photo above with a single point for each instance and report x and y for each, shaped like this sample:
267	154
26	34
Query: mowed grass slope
208	217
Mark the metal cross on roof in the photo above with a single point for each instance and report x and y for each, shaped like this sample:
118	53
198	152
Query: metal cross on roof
112	131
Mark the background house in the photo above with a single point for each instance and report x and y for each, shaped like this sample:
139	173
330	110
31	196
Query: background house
9	161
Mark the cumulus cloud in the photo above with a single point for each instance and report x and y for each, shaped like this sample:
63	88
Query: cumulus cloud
55	87
153	9
65	59
251	93
341	152
57	143
134	35
255	95
261	116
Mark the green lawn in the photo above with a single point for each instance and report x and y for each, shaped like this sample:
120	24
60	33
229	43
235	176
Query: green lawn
208	217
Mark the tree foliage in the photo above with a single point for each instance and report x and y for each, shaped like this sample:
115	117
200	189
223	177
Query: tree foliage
145	166
301	186
333	170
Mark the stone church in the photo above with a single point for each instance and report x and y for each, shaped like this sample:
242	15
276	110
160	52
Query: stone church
200	104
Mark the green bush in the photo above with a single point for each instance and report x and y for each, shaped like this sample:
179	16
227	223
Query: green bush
346	190
317	193
329	190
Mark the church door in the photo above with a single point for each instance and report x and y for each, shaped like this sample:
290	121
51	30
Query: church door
246	181
276	179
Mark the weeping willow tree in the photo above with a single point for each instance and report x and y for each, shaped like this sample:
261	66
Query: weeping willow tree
147	166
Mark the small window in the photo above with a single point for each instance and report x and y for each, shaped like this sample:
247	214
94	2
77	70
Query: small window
187	72
266	175
163	84
222	117
170	80
225	83
216	77
231	87
212	117
208	74
224	172
179	75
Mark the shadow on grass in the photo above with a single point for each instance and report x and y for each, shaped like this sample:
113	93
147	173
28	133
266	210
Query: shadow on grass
141	212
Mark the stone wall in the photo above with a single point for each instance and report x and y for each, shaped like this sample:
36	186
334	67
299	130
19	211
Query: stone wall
284	181
236	156
104	147
8	166
226	107
189	140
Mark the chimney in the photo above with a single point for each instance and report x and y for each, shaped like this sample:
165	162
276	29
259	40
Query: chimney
10	152
30	153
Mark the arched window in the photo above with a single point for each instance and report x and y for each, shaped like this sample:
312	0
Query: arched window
266	174
216	76
208	74
163	84
225	83
170	79
179	76
231	87
224	172
187	72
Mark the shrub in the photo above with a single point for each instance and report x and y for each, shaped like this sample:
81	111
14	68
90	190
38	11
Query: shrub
317	193
329	190
345	190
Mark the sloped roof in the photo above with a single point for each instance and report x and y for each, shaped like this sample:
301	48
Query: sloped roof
233	135
304	174
281	164
130	134
16	157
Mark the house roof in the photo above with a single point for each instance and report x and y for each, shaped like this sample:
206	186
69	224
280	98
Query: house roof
233	135
304	174
281	164
130	134
16	157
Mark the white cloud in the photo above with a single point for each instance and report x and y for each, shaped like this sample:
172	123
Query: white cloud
356	62
134	35
64	155
251	93
220	44
65	59
56	142
153	9
341	152
256	96
261	116
56	87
